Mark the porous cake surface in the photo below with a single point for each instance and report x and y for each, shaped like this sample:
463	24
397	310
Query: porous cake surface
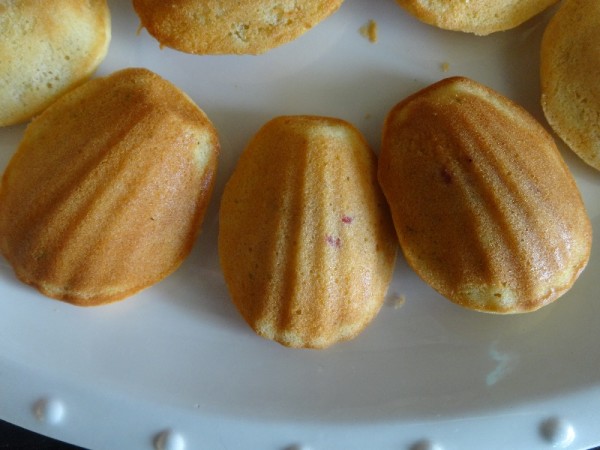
107	190
480	17
306	243
46	48
230	26
570	77
485	209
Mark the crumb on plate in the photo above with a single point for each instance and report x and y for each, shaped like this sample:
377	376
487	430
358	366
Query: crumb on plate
369	31
396	300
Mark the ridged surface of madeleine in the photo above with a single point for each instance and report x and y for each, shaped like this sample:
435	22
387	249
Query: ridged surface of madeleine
107	190
306	243
485	209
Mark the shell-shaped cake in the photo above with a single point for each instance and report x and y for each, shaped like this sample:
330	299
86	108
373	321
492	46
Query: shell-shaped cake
230	26
306	243
480	17
570	77
46	49
107	190
485	209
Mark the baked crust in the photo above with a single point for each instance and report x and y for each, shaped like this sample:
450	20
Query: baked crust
570	77
480	17
107	190
306	243
47	48
485	209
230	26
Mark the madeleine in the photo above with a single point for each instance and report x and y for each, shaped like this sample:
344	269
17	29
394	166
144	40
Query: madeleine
570	77
230	26
46	49
107	190
485	209
306	243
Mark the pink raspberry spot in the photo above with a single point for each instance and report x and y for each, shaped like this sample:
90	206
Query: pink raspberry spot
334	241
347	219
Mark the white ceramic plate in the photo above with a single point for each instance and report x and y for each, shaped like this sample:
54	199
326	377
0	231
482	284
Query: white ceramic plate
177	358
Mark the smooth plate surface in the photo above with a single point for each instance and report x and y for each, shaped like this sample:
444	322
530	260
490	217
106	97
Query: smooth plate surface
425	375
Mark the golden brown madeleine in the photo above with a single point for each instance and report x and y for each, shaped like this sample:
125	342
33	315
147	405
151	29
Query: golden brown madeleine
230	26
570	77
108	188
46	48
485	209
306	243
480	17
